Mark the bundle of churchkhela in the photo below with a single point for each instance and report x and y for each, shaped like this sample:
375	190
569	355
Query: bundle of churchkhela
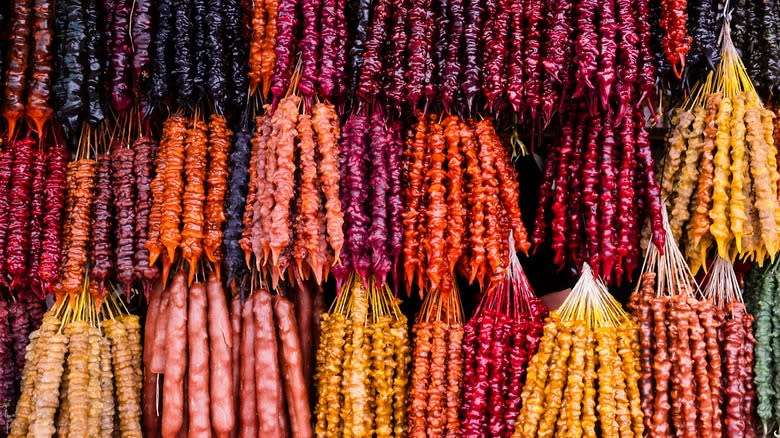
754	32
235	203
304	39
189	349
720	174
598	187
198	51
371	150
499	341
292	222
437	366
82	374
737	401
681	359
187	210
461	199
27	79
363	361
761	298
585	375
598	182
32	197
106	211
265	327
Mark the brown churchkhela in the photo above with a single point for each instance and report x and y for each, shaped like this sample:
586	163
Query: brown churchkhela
292	368
175	350
248	407
220	361
235	323
268	386
257	340
198	375
153	314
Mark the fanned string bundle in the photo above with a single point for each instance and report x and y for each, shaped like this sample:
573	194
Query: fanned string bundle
362	364
498	343
680	360
721	285
720	175
584	376
437	366
762	296
738	394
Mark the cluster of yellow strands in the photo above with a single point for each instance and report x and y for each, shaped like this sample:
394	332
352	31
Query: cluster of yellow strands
585	374
720	175
362	364
82	374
